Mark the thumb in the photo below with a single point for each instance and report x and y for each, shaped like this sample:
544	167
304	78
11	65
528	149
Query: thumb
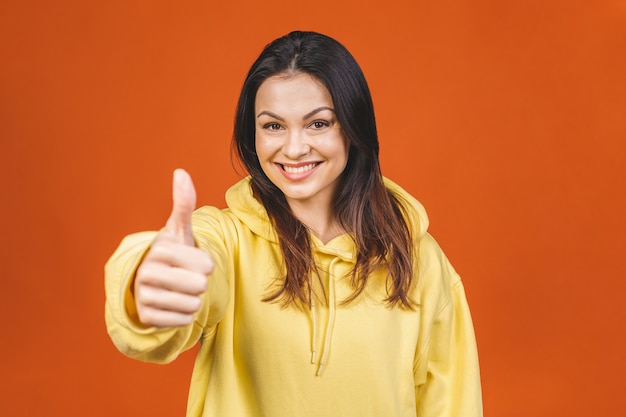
184	203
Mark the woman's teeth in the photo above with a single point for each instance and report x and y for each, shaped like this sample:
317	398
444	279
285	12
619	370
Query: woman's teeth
299	170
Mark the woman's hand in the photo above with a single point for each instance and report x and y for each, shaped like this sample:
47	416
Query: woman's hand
173	275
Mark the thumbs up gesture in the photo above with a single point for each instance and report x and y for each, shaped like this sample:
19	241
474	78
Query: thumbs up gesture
173	275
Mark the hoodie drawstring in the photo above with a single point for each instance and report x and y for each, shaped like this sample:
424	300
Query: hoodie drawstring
314	338
330	325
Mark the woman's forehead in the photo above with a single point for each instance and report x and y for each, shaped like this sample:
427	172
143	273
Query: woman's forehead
291	94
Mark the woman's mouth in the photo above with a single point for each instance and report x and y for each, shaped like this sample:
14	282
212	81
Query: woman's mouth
299	169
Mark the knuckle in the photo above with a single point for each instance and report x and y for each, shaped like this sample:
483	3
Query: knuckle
158	250
210	266
146	316
204	283
143	272
195	304
151	298
148	272
207	264
199	283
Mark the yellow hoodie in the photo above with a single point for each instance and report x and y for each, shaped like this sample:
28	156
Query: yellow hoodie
258	359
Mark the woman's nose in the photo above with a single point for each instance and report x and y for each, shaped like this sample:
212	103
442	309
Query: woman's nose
296	144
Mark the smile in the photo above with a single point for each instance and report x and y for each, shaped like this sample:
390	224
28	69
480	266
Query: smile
300	169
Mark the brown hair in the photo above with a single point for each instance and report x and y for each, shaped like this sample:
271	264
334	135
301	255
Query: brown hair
372	215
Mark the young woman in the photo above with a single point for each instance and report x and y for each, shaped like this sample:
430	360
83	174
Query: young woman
318	291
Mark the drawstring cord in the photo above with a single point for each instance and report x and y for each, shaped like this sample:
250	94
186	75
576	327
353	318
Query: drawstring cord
314	338
329	326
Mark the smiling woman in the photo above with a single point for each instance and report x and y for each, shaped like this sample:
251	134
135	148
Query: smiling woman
316	253
301	148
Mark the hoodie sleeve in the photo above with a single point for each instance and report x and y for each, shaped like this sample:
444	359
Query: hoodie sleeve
447	372
151	344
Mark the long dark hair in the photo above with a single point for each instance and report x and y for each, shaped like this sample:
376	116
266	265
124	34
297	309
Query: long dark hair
365	208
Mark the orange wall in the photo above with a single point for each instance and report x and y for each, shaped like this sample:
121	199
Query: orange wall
507	119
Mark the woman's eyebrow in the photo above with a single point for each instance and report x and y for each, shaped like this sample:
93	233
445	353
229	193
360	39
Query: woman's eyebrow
317	110
306	116
270	114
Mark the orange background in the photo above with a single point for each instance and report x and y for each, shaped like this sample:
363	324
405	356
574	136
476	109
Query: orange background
506	119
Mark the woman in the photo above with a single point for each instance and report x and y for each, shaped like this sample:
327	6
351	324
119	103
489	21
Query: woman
318	291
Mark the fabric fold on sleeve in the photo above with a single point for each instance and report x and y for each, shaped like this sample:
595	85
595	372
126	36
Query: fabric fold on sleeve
446	369
452	386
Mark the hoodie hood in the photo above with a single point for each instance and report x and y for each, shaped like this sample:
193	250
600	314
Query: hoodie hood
249	210
415	211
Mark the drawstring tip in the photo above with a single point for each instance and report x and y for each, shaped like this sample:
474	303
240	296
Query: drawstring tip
319	370
313	356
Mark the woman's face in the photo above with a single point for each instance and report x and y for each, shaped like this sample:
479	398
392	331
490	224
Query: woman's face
299	141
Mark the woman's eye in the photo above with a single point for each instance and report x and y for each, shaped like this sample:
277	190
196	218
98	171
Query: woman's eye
272	126
319	124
